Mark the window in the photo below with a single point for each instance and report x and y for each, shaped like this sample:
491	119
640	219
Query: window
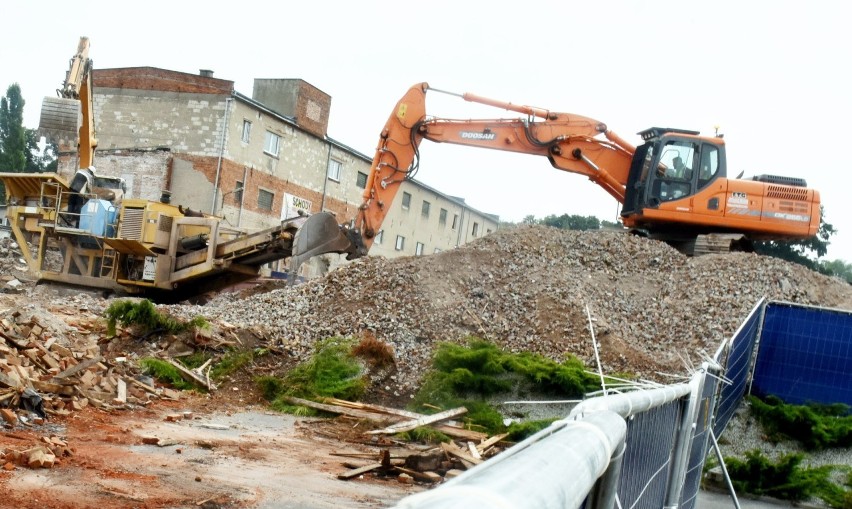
487	231
455	221
475	231
246	131
406	200
418	249
424	211
400	242
265	199
379	237
442	217
361	180
238	192
270	146
334	170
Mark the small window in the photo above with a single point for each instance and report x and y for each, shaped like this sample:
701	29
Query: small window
487	231
238	192
418	249
442	217
400	242
475	231
246	131
265	199
270	146
334	170
424	211
361	180
406	200
379	237
437	250
455	221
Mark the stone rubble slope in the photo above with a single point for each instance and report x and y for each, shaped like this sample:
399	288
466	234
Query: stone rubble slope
655	311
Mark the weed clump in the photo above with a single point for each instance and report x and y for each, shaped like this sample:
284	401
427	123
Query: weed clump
377	353
463	374
817	427
331	372
786	479
165	373
144	315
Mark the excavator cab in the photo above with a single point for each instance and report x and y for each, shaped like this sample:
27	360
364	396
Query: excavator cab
671	165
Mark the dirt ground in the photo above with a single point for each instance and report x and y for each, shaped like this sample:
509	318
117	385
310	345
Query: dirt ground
245	457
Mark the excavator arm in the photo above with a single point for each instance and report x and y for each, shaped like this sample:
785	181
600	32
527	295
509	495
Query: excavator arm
70	116
571	143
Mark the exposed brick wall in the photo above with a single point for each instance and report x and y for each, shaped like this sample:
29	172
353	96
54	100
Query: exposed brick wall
151	78
253	216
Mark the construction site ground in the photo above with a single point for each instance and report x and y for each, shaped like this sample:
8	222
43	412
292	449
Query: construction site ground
655	313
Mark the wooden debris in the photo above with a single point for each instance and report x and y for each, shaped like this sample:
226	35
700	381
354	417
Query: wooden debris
459	453
422	421
192	376
358	471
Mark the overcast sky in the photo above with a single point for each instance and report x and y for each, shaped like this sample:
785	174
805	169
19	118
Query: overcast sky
774	75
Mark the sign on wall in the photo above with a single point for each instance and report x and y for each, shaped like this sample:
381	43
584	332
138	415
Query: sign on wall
293	204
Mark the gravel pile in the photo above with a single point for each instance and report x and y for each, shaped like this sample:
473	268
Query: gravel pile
527	288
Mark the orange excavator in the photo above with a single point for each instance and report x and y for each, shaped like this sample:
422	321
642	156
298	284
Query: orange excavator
673	187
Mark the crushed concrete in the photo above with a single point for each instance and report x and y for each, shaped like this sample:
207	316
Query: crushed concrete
655	311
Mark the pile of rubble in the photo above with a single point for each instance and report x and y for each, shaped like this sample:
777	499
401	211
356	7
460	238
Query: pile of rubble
47	372
13	267
653	310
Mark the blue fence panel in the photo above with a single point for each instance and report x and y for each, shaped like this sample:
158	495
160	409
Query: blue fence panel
645	467
805	355
735	358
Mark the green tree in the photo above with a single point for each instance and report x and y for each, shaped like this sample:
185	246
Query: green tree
839	268
13	136
572	222
804	252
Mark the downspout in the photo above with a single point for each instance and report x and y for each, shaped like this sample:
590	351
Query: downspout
461	227
221	154
325	178
242	197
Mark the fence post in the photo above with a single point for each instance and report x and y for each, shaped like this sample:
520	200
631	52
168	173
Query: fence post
683	440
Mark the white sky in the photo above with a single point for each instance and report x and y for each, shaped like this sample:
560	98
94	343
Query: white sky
774	75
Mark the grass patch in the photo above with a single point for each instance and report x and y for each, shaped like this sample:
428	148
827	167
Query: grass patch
332	372
144	315
785	479
816	427
231	362
463	375
520	430
165	373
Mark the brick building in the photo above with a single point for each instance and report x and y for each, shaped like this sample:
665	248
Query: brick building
254	160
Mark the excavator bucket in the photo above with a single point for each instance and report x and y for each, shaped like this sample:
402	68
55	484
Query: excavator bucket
60	119
321	234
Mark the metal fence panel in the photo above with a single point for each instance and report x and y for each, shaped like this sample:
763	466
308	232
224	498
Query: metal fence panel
650	439
805	355
700	442
735	357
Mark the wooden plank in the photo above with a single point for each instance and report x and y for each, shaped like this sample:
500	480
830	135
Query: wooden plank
121	389
335	409
358	471
429	477
192	376
460	454
454	431
8	381
73	370
423	421
491	441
